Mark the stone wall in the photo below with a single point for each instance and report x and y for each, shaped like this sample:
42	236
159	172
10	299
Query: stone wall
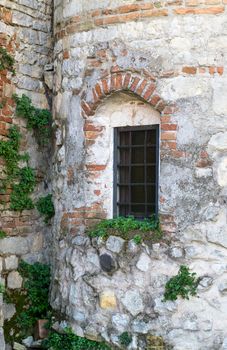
172	57
25	31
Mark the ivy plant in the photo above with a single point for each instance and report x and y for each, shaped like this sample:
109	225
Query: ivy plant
36	287
46	207
124	227
69	341
184	284
20	180
2	234
38	119
125	339
6	61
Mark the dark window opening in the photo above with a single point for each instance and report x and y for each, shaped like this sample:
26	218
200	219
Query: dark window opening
136	171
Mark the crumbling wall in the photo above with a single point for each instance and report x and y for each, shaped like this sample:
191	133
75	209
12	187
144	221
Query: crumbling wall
172	55
25	32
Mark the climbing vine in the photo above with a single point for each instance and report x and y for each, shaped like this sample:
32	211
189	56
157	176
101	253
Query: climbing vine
6	61
37	119
20	181
46	207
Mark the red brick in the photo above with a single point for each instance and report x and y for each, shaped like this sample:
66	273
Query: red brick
119	82
212	70
220	70
98	90
189	70
169	127
105	86
141	87
95	167
149	91
134	83
126	80
168	135
154	100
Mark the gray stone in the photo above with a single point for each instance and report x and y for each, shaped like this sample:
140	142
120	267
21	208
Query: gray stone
164	308
11	262
218	237
80	240
141	327
14	245
223	287
79	316
176	252
115	244
107	263
205	283
133	302
224	344
143	263
191	325
17	346
14	280
2	341
28	341
120	322
9	311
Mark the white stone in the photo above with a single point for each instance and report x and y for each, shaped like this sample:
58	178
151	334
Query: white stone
222	172
11	262
17	346
223	287
120	322
28	341
9	311
203	172
219	237
115	244
143	263
176	252
220	97
218	142
14	280
133	302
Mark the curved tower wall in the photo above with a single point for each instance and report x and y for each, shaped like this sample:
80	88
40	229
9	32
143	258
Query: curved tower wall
168	58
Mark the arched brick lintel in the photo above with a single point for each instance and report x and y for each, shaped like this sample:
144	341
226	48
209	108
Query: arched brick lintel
141	86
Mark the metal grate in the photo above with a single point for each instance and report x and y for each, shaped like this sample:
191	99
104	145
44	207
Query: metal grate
136	171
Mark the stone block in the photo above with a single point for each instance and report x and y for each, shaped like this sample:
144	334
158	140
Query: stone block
133	302
11	262
143	263
120	322
108	300
18	346
9	311
14	280
223	287
115	244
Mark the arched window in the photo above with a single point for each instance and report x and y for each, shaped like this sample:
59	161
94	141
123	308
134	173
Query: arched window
136	155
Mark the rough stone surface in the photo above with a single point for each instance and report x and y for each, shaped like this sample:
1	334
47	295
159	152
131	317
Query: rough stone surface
115	244
115	64
11	262
133	302
108	300
14	280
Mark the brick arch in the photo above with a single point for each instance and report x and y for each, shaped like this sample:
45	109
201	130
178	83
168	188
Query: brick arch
143	87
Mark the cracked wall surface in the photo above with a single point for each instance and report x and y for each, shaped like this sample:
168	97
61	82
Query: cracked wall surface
169	56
